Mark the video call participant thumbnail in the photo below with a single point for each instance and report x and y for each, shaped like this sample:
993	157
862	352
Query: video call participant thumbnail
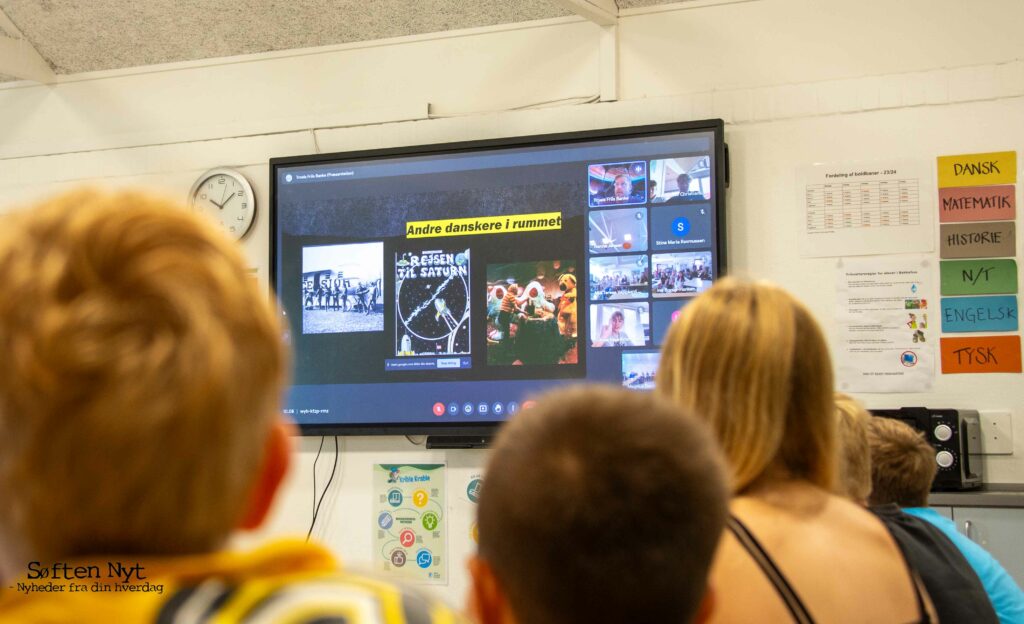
663	314
680	179
639	369
140	426
617	184
684	190
675	274
617	231
682	226
619	277
600	505
619	325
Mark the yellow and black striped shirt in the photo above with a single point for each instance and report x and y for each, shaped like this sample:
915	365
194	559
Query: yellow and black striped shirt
288	582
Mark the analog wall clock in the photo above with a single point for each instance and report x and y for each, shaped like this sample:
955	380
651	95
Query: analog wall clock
225	196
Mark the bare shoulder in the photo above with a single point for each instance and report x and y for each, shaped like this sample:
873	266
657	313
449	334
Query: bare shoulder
742	592
832	552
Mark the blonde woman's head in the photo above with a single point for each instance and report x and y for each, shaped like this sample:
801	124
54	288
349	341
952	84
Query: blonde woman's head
750	359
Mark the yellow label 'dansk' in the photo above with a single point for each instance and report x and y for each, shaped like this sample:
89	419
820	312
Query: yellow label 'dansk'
977	169
484	225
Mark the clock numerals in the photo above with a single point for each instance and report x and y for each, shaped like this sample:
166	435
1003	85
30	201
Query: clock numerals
227	199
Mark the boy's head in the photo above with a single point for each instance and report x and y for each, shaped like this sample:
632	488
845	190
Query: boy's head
139	390
854	453
590	481
902	464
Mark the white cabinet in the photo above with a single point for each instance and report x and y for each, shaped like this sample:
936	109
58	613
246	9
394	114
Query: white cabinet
999	530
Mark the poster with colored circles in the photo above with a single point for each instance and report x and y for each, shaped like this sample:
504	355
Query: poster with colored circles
410	522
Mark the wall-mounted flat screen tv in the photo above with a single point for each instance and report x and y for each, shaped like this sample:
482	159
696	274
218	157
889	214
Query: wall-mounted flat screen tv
434	289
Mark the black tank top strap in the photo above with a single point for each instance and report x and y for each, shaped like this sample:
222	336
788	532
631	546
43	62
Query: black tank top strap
771	571
922	611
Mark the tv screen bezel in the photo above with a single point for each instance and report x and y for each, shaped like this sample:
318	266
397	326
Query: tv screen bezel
720	167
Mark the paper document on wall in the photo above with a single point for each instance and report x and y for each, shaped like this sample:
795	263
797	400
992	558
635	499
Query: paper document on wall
886	340
866	208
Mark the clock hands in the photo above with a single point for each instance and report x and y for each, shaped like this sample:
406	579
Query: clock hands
234	218
222	200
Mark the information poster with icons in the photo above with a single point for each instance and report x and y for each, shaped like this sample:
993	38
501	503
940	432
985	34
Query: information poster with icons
410	522
886	341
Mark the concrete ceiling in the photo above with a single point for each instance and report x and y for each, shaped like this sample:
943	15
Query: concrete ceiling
74	36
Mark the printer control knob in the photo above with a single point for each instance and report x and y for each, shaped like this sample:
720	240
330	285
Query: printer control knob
944	459
943	433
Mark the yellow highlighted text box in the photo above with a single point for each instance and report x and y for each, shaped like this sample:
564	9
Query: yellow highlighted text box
503	224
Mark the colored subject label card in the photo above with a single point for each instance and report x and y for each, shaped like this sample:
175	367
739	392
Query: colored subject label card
977	203
983	354
977	169
978	277
979	314
978	240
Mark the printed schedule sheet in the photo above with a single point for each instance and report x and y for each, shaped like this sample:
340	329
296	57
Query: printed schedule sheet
853	209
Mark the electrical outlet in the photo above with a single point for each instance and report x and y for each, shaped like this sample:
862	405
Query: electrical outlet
996	432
